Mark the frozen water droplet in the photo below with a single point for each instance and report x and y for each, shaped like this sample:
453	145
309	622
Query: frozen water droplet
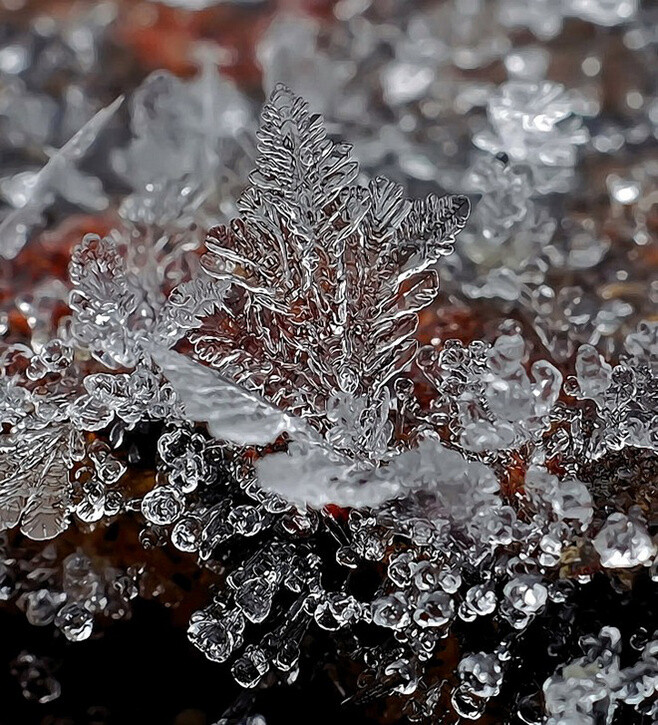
466	704
250	668
75	622
246	520
592	372
186	534
41	606
623	543
434	609
391	611
254	597
401	569
482	674
163	505
216	639
624	191
526	594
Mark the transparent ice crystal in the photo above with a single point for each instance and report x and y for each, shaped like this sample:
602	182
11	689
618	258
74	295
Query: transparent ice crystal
591	688
496	404
59	176
507	234
625	395
35	486
536	124
122	306
326	280
50	95
186	146
623	543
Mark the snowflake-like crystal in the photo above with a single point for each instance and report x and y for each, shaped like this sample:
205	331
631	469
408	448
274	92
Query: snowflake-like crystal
327	278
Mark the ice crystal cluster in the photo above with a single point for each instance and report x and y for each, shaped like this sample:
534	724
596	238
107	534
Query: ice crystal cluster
414	431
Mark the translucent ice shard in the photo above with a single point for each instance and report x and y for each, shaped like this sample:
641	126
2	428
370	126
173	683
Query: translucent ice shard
58	176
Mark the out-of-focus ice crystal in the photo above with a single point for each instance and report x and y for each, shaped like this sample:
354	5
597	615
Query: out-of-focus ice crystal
58	177
536	124
623	542
187	135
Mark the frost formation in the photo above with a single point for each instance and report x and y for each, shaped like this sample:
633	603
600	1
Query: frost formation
304	437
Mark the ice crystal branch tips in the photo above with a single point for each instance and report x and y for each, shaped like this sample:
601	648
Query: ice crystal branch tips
122	307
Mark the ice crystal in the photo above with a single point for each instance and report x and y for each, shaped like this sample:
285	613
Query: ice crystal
591	688
507	235
489	395
35	484
41	459
327	278
623	543
625	396
603	12
122	306
536	124
58	176
186	139
50	90
506	192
